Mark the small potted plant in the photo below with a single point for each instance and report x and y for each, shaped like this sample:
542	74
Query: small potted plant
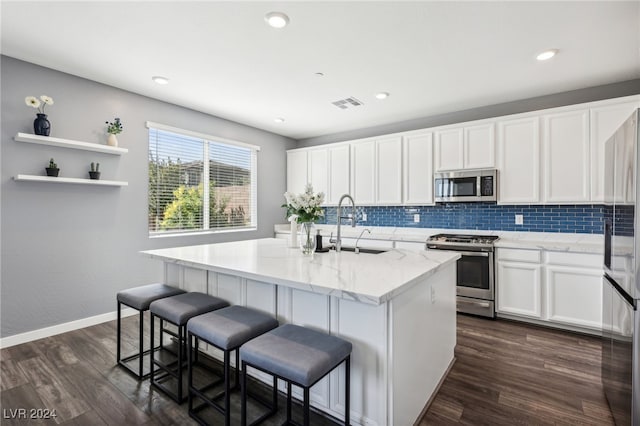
113	128
53	169
94	172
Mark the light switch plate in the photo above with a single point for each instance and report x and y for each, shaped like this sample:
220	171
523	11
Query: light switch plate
519	219
364	217
416	218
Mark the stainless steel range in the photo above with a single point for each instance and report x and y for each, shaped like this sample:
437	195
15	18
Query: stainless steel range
476	279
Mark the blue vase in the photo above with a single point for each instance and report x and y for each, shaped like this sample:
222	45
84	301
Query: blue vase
41	125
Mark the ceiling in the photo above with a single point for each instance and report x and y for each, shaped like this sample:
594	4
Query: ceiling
432	57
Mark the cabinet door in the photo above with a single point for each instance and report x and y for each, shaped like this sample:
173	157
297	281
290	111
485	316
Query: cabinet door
519	289
418	169
449	148
319	170
388	171
519	161
339	173
574	296
604	121
566	157
296	171
363	172
479	146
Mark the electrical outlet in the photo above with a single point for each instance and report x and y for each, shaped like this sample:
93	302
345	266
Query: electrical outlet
519	219
433	295
364	217
416	218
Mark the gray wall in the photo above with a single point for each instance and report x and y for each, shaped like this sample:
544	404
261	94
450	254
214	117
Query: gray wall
615	90
67	249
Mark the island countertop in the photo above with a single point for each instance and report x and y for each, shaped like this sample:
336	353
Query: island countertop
368	278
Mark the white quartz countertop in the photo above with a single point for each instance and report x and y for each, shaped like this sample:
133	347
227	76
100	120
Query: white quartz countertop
368	278
578	243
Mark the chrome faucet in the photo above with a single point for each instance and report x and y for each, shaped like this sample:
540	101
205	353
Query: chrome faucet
352	217
357	249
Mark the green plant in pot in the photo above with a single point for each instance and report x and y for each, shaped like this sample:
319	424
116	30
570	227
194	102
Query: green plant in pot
94	171
53	169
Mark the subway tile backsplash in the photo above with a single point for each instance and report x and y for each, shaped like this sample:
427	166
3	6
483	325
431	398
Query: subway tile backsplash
585	219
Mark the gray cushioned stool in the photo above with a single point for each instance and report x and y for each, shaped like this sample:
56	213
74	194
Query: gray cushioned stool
227	329
299	356
177	310
140	298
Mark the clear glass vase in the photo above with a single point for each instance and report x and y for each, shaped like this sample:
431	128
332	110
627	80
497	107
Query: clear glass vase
308	238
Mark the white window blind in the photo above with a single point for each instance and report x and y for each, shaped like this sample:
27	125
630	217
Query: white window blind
199	183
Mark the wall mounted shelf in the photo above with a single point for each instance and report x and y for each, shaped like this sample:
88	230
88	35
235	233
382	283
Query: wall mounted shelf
68	143
48	179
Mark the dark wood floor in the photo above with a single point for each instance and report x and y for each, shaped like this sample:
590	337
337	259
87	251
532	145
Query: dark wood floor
506	373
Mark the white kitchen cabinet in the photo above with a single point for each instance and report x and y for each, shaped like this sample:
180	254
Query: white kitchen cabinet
388	171
376	167
604	121
469	147
566	157
339	173
297	171
519	161
574	296
519	288
318	163
363	172
417	169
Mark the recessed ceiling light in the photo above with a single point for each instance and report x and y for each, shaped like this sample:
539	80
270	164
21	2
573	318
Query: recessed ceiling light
547	54
382	95
276	19
279	120
160	80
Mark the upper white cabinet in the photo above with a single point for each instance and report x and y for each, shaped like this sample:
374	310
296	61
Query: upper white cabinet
376	167
318	163
566	157
470	147
417	169
339	173
519	161
604	121
297	171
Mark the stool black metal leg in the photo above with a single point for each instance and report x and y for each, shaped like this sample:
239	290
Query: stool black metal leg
288	402
243	403
237	369
306	406
180	361
347	390
227	388
119	331
190	371
141	344
152	347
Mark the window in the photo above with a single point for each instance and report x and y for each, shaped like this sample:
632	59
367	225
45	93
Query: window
199	183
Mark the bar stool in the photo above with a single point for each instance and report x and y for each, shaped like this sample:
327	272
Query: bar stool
139	298
227	329
299	356
177	310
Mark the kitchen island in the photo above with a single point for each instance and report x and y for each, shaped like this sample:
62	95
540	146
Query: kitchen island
396	307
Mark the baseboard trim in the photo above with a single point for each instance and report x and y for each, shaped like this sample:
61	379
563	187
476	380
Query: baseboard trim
30	336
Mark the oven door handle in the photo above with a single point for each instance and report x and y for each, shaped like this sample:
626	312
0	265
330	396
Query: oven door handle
474	253
474	303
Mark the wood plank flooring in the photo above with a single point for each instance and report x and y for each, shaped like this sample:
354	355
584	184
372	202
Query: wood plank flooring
506	373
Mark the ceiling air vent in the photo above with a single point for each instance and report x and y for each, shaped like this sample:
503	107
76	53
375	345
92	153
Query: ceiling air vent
346	103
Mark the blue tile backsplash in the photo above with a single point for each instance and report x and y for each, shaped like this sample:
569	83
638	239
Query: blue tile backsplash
584	219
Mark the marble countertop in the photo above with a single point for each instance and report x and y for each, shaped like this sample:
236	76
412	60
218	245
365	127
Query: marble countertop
578	243
368	278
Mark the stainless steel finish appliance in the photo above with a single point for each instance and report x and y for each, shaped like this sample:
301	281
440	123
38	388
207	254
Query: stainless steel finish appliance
475	286
465	186
621	283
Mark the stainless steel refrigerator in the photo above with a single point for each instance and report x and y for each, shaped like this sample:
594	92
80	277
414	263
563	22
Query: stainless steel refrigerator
621	283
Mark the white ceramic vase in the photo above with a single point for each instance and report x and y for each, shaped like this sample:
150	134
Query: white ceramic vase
112	140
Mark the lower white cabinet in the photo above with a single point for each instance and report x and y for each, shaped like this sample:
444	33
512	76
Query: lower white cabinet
561	289
519	289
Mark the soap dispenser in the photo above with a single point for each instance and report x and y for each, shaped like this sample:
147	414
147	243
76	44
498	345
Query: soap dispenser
318	241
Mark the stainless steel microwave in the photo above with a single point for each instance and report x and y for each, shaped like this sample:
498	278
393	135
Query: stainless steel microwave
465	186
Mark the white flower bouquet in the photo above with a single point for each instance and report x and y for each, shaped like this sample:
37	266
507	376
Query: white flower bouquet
38	104
304	207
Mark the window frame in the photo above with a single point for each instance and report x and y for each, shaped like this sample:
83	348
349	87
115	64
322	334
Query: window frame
206	138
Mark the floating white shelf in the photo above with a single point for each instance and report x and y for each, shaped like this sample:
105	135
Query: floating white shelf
67	143
48	179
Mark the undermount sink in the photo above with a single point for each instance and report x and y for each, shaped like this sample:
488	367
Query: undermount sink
363	250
